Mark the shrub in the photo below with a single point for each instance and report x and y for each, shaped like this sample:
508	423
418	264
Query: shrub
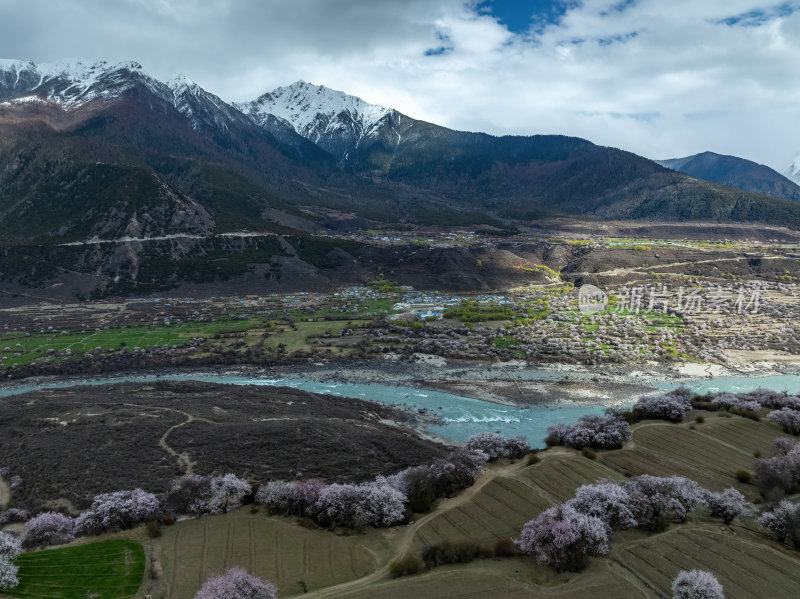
374	503
153	529
195	494
306	522
505	547
563	538
118	511
732	402
12	515
420	489
653	499
787	419
609	501
465	551
699	419
784	521
48	528
728	504
227	491
405	566
597	432
782	446
184	491
447	552
746	413
630	416
9	550
589	453
669	406
236	583
772	399
780	474
439	554
276	496
696	584
744	476
497	446
457	471
485	551
533	458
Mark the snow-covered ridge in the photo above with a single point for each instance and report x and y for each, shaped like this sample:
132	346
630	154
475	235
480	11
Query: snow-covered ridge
300	104
324	116
793	170
334	120
71	84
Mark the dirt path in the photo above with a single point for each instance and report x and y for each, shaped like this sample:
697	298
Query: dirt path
404	544
183	458
5	493
616	272
128	239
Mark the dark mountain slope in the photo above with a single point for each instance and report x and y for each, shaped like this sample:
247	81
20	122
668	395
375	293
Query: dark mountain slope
433	174
736	172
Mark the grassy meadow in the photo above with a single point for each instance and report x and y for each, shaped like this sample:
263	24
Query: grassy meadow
110	569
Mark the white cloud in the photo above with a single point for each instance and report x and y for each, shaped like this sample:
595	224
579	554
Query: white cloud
658	78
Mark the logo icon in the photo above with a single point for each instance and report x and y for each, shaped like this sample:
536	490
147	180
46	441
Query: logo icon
591	299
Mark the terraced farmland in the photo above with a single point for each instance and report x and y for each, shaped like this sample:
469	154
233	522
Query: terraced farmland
709	453
742	433
498	510
744	564
270	547
511	579
563	471
747	561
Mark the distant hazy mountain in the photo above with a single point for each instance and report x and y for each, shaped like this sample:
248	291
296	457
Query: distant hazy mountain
736	172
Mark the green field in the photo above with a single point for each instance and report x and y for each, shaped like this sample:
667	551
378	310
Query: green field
35	345
105	570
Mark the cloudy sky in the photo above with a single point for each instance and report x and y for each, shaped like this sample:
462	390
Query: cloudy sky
662	78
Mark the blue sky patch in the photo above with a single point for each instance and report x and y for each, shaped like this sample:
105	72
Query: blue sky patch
519	16
755	18
445	45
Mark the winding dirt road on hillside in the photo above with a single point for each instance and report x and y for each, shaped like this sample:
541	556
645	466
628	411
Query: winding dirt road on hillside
656	268
184	459
404	544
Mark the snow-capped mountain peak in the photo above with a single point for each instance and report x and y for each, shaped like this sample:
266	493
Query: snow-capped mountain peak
181	82
301	102
69	83
334	120
793	170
